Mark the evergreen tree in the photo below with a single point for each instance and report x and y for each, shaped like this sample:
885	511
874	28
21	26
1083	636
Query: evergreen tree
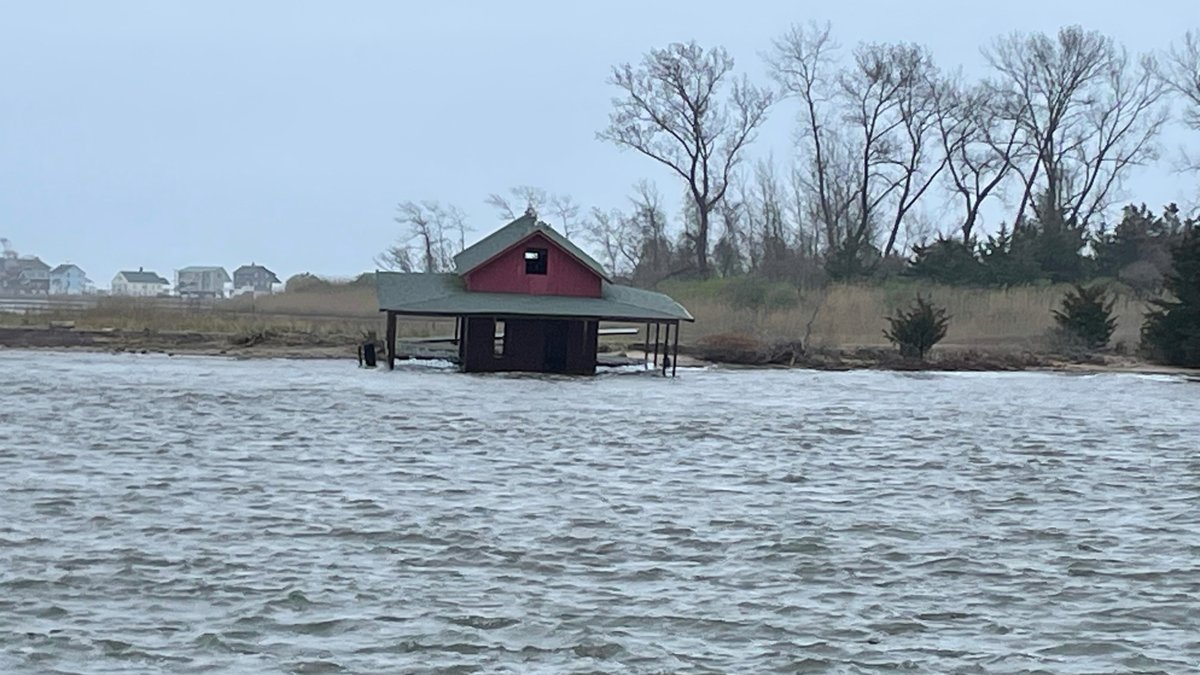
1171	333
947	261
917	330
1086	316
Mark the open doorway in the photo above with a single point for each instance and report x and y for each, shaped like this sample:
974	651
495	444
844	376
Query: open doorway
555	355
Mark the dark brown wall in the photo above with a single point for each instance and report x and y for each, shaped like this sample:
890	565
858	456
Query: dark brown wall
525	345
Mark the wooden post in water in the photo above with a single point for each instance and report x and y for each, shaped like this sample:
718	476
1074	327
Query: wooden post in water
646	349
654	360
391	340
666	344
675	351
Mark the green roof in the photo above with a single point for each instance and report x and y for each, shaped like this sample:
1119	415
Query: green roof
140	277
205	269
508	236
445	295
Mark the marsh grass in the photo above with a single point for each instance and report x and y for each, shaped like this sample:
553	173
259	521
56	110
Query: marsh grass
842	316
847	316
340	316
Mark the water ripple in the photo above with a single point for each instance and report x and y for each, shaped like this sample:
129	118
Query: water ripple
198	515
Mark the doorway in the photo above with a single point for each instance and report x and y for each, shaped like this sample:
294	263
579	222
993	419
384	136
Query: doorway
555	354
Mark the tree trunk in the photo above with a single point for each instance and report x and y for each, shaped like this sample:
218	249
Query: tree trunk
702	241
967	226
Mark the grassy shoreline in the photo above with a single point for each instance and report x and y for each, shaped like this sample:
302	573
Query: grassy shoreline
738	323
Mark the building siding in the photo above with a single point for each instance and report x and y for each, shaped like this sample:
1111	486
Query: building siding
506	273
525	347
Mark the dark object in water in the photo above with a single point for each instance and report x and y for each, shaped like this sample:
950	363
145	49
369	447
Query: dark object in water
366	354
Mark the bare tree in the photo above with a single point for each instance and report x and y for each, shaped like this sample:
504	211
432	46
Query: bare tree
674	109
1182	75
1087	112
565	210
765	233
653	244
979	143
433	234
523	198
868	132
917	159
609	231
803	63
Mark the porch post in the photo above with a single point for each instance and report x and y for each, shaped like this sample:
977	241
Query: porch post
675	351
646	348
391	340
666	344
654	359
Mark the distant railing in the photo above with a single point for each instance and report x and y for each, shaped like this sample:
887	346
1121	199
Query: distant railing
32	304
46	304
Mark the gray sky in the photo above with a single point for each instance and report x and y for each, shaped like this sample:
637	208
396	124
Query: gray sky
166	134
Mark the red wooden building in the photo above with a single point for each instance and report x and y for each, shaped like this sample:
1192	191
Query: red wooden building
526	299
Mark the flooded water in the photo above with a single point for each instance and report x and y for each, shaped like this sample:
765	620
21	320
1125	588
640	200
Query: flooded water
203	515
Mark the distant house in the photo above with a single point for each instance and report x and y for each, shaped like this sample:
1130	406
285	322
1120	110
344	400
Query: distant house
253	278
68	279
139	284
24	276
201	282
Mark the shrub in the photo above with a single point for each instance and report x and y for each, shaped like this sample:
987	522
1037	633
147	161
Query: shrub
1087	316
916	331
305	282
1171	333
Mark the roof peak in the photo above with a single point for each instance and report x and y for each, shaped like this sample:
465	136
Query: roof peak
512	234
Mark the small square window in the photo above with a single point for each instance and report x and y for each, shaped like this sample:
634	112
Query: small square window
535	261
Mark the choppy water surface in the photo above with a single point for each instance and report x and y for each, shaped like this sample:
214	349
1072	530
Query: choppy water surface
197	515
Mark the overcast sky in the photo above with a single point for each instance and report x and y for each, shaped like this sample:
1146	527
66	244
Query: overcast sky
167	134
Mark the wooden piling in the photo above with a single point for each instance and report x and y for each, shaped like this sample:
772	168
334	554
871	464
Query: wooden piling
654	360
391	340
646	348
666	343
675	351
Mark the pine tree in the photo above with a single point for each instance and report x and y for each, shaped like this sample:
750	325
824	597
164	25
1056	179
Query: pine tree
1171	333
916	331
1087	316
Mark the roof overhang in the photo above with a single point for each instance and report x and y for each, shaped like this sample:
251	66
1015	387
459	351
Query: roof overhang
419	294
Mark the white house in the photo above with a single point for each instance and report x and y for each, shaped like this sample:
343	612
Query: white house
68	279
141	284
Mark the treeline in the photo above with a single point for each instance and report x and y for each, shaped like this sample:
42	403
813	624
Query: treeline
885	139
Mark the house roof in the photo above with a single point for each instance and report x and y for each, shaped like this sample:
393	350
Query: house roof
254	268
65	267
514	233
425	294
34	263
140	277
204	269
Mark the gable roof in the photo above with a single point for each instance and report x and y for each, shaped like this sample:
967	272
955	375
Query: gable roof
141	277
426	294
513	234
34	263
204	269
244	269
65	267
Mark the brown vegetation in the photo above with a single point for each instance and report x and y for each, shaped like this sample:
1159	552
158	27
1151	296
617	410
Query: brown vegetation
848	317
